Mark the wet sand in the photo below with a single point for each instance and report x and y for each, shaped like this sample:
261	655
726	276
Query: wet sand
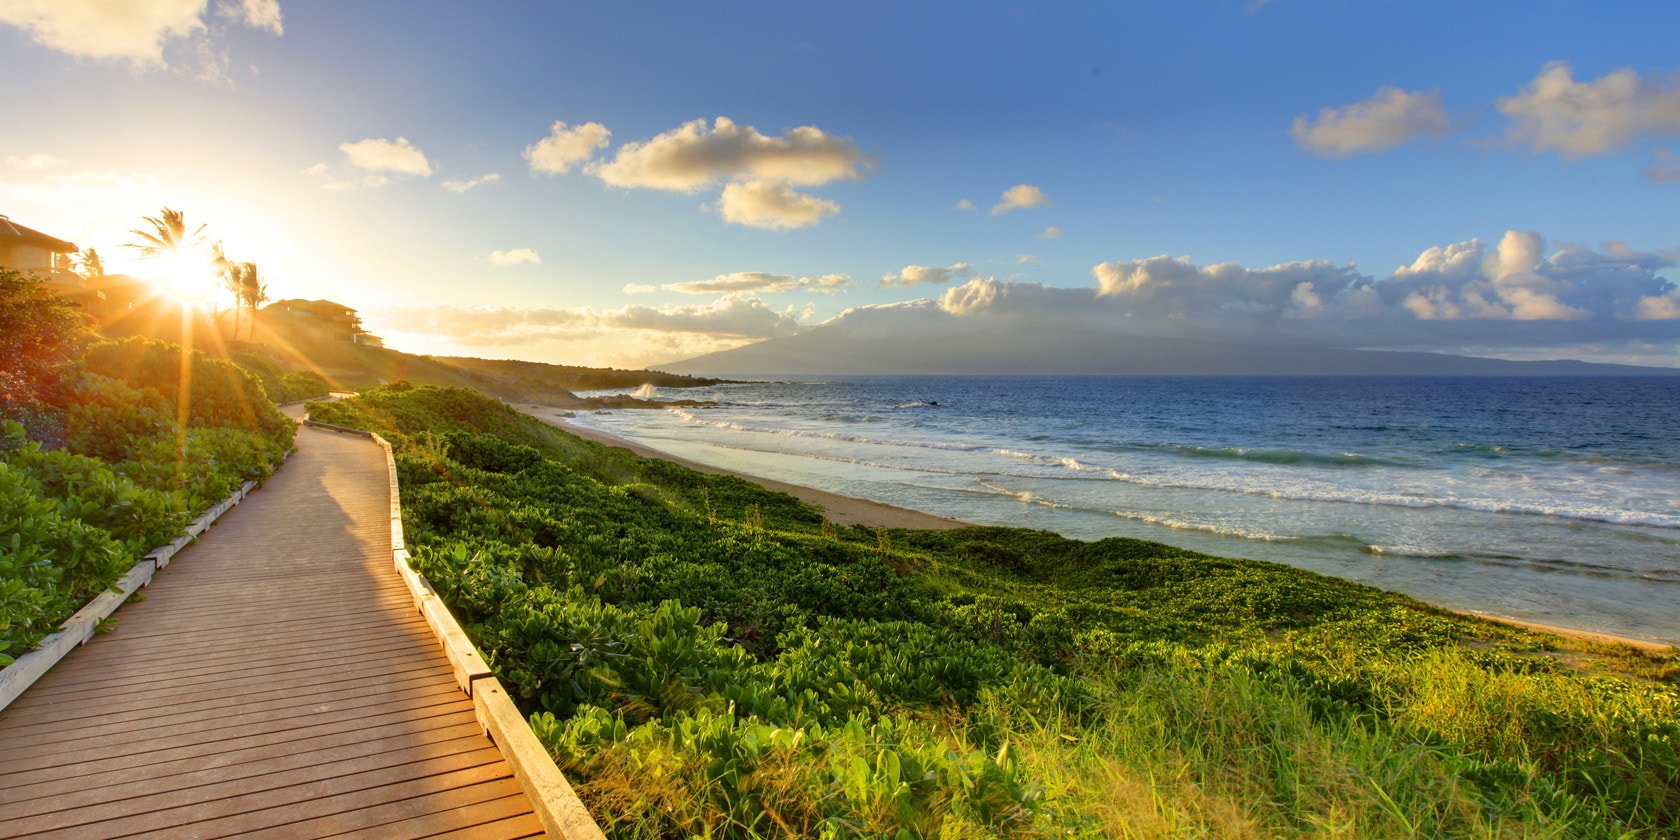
850	510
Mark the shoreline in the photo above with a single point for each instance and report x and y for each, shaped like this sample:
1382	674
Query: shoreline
838	507
851	510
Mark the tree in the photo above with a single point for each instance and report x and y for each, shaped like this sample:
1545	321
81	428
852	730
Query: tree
168	236
91	265
253	292
169	239
41	335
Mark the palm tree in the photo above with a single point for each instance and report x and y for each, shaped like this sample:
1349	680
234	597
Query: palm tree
168	239
253	292
168	236
92	266
232	275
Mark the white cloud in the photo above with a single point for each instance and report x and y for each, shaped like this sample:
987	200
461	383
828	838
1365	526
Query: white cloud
759	282
315	170
693	156
376	154
1025	259
639	289
1020	197
1382	122
1051	232
257	14
965	204
1664	167
134	30
515	257
34	162
463	186
918	275
565	147
1580	119
772	206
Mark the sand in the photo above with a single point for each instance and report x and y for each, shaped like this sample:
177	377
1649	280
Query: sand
850	510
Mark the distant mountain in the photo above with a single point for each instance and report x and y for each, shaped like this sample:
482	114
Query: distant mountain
836	350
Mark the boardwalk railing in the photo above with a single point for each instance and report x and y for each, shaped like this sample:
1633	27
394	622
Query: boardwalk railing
552	797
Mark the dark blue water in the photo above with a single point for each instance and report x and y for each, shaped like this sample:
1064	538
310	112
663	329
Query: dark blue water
1552	500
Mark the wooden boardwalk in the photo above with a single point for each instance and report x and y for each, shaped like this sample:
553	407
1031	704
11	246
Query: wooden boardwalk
276	681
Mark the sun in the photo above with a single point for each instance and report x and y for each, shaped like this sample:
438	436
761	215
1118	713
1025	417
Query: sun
188	276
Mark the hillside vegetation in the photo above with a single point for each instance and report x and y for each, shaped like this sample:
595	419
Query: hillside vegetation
355	367
706	658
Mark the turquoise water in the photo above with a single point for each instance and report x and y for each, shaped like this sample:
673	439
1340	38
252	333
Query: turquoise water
1551	500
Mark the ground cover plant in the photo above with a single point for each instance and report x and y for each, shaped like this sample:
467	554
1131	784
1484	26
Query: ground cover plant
105	454
707	658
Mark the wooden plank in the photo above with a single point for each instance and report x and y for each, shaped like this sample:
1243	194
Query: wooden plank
188	733
44	797
397	764
458	801
207	721
285	806
507	817
49	781
515	828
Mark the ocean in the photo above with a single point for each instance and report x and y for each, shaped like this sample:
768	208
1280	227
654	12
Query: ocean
1554	500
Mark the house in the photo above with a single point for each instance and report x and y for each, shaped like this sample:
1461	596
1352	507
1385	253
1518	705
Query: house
32	252
315	320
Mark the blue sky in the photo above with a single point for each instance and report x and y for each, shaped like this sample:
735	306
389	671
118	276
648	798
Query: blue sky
346	148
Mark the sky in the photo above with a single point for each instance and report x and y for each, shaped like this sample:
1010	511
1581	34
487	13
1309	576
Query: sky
634	183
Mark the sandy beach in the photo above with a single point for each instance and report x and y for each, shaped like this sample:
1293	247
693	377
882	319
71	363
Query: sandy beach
850	510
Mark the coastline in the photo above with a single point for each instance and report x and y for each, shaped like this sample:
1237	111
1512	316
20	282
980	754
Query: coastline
839	508
850	510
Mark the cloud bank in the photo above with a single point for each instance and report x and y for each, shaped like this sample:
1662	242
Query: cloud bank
1520	292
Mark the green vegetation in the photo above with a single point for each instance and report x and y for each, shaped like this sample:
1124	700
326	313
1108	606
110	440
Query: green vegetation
707	658
107	449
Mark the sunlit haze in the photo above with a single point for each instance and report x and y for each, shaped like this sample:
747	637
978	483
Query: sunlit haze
631	184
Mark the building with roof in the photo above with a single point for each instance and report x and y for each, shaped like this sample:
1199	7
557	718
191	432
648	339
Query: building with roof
30	251
295	319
